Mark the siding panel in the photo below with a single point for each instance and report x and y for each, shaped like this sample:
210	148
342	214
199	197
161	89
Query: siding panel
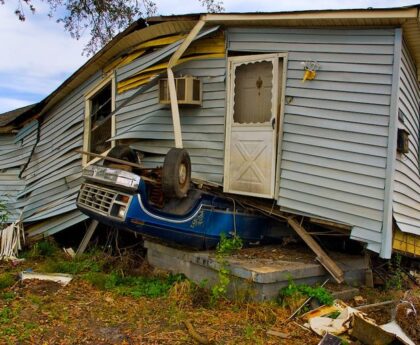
15	151
406	196
335	129
150	123
52	178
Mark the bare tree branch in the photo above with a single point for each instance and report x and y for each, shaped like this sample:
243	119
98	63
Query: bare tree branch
101	19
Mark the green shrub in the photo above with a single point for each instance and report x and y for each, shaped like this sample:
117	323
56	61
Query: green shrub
225	247
228	245
59	263
41	249
131	285
293	291
7	295
396	281
6	280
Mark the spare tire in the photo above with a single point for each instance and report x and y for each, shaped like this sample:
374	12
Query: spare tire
176	174
123	152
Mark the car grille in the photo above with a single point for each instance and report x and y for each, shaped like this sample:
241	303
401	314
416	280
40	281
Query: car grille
97	198
104	201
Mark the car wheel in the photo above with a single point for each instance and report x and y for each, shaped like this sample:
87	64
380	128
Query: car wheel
176	174
123	152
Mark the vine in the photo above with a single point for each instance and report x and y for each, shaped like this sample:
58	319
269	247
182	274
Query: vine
225	247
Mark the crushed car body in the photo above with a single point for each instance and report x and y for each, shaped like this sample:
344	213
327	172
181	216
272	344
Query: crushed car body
124	200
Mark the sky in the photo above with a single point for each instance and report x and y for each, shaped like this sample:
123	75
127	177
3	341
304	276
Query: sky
38	55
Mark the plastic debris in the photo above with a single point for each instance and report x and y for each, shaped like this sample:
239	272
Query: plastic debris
324	324
355	323
12	238
60	278
394	328
69	252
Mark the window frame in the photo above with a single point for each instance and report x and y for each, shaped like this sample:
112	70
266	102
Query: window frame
110	78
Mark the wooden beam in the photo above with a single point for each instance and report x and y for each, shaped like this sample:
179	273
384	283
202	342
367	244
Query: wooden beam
86	239
322	256
120	161
183	47
331	225
171	81
111	159
176	121
273	211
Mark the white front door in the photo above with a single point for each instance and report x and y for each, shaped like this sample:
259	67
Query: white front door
251	126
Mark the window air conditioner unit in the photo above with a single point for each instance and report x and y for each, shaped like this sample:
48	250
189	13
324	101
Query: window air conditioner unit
188	90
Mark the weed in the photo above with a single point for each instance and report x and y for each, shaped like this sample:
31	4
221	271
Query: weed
7	296
225	247
34	299
397	280
58	263
6	280
220	289
5	315
132	286
99	280
145	286
249	332
294	292
41	249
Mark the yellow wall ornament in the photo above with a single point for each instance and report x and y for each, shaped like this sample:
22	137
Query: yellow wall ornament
310	68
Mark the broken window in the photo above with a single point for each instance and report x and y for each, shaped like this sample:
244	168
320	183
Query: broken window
99	121
253	92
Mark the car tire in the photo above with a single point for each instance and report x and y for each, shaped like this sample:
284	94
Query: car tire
176	174
123	152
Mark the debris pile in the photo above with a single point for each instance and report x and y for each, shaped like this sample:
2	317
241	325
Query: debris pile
408	315
349	323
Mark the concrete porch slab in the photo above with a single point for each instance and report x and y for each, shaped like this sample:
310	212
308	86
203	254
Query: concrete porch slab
258	277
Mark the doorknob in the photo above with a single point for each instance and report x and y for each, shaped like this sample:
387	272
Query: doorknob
273	122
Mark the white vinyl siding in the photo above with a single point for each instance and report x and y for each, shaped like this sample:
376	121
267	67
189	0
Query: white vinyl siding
335	130
406	196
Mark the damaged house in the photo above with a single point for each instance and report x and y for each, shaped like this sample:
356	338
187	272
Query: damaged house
315	111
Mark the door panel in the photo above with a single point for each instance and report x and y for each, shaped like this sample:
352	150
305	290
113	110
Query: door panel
250	163
251	126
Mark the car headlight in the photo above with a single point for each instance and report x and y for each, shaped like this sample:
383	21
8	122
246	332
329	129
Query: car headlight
121	212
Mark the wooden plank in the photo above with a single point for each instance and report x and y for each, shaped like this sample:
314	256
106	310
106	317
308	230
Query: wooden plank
86	239
322	256
330	224
171	82
119	161
111	159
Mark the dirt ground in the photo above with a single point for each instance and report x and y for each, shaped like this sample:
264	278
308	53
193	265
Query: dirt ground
46	313
42	312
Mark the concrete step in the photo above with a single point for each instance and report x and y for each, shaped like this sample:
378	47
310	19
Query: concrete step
261	278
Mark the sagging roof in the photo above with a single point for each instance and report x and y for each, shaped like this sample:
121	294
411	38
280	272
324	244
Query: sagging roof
406	17
8	119
10	116
140	31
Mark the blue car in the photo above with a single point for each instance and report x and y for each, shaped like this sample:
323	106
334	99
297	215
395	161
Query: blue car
125	200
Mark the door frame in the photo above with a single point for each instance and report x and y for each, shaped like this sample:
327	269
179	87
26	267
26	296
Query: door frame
279	117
